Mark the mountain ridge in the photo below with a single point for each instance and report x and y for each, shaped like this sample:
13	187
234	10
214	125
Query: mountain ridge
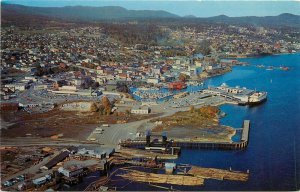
88	13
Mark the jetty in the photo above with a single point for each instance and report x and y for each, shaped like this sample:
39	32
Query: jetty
242	144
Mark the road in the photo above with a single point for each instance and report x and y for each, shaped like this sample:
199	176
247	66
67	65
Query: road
34	141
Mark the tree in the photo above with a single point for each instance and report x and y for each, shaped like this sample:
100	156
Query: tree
127	112
183	77
204	47
107	105
192	109
94	107
105	102
95	85
108	110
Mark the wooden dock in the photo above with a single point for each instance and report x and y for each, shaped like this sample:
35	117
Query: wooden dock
202	145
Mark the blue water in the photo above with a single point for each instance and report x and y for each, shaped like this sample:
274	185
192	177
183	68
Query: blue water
273	155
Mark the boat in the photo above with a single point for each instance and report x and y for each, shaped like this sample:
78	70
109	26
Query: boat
257	97
177	85
285	68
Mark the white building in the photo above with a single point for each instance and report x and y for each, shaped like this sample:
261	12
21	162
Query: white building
156	71
19	86
153	80
28	78
77	82
140	110
40	87
71	171
68	88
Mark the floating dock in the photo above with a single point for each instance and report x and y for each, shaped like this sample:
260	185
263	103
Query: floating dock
202	145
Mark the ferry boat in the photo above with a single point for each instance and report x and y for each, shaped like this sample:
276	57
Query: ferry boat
257	97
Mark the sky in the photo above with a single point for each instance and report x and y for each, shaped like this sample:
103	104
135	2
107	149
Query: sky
204	8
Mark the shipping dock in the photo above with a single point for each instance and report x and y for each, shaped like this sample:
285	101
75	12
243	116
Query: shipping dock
240	95
176	145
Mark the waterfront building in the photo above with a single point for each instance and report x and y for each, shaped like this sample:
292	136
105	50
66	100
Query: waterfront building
71	171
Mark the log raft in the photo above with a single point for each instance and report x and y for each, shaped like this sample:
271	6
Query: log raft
139	176
219	174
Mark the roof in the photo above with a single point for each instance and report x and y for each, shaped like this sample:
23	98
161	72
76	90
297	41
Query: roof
95	150
58	158
140	108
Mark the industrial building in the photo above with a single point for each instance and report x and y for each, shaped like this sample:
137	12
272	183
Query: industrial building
71	171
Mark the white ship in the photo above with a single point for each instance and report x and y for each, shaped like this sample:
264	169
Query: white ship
257	97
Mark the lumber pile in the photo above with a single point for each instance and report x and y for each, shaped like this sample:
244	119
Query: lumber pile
139	176
220	174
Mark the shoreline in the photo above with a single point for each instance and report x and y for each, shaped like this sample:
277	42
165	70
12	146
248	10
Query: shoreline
259	56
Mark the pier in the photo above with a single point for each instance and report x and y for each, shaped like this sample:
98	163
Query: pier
201	145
